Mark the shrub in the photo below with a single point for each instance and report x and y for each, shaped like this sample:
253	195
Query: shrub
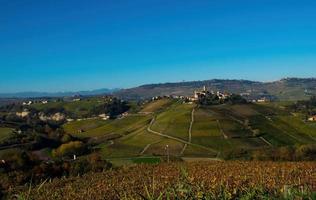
66	138
306	152
97	164
70	148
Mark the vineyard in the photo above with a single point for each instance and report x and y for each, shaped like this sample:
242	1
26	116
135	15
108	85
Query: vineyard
203	180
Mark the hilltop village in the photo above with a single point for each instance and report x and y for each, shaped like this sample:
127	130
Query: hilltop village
204	93
198	95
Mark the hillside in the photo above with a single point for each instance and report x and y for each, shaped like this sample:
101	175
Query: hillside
284	89
191	131
162	131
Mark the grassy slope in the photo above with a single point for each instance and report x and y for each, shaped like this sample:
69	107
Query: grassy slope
133	143
122	126
130	145
174	121
79	108
173	118
271	120
5	133
195	151
86	125
157	105
206	132
160	148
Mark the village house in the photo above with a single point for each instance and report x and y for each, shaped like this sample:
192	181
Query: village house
221	95
23	114
27	103
262	100
104	116
312	118
199	94
156	98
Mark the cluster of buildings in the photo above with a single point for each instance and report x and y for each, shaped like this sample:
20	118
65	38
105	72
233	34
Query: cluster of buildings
23	114
204	93
198	94
28	103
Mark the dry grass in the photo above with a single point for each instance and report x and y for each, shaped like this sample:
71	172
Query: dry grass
194	178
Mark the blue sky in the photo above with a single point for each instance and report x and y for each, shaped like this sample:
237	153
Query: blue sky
80	45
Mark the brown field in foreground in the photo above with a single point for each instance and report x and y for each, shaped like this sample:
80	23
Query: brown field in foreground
229	180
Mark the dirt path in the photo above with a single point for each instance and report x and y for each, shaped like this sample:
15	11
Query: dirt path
222	131
266	141
145	149
190	131
174	138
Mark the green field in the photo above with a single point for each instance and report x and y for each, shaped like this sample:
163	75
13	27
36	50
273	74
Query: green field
205	124
164	146
5	133
129	145
196	151
157	105
175	121
147	160
101	128
85	125
77	108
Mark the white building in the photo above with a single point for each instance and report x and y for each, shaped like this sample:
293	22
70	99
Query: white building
27	103
312	118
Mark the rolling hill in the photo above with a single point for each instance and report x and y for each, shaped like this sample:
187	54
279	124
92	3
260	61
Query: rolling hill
189	131
284	89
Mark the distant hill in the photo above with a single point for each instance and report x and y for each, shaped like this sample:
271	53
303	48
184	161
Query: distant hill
56	94
284	89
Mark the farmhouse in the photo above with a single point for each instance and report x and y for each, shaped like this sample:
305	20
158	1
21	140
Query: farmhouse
104	116
312	118
221	95
55	117
27	103
23	114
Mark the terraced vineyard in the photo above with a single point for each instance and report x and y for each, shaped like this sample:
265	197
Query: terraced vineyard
175	121
168	127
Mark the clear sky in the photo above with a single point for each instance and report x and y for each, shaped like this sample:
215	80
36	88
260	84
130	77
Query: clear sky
67	45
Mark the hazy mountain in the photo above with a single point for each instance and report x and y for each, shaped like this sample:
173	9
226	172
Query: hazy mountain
56	94
284	89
